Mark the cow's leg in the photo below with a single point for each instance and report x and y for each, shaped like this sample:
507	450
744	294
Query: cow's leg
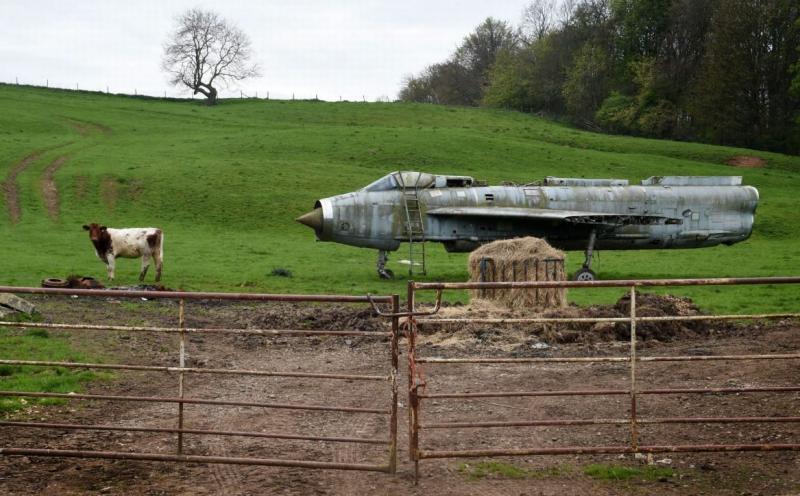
145	266
159	262
110	267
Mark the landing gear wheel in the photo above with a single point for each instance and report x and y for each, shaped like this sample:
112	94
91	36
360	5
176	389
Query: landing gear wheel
584	275
383	272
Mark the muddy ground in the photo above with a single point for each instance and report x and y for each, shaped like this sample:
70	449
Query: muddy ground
733	473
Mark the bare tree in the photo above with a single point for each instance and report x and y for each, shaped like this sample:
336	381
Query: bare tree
538	18
206	50
541	17
567	9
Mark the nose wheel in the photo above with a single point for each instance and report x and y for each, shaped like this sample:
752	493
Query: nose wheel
383	272
585	273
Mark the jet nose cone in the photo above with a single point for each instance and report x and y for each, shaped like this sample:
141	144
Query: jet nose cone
312	219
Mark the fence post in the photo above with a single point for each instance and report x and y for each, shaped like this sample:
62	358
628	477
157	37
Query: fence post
395	362
181	364
413	397
634	433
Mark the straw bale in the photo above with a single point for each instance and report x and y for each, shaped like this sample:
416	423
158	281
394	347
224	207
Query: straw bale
520	259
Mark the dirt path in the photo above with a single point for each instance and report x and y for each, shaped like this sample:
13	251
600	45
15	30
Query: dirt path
49	188
724	474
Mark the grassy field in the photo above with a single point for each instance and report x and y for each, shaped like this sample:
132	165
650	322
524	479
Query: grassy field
39	344
226	183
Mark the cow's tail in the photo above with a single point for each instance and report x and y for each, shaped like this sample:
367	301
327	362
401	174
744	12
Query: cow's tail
161	246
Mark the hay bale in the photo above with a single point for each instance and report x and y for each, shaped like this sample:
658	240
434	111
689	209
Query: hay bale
521	259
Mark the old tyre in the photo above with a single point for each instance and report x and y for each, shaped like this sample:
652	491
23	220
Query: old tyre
53	282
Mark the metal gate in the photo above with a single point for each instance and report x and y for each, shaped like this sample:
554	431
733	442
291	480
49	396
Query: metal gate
182	397
420	396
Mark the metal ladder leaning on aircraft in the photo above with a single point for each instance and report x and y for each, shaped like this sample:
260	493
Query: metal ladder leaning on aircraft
414	223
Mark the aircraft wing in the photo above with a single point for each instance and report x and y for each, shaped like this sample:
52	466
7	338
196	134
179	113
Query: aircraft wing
543	214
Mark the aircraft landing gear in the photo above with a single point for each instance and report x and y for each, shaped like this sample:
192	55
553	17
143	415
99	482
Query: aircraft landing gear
585	273
383	272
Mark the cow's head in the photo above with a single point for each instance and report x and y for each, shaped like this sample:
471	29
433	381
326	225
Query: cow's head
96	232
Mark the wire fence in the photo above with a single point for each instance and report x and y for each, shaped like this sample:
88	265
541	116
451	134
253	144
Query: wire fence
250	94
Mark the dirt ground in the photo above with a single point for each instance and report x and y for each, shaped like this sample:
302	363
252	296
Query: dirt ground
767	473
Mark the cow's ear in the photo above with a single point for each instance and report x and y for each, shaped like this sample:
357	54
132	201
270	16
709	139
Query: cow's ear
85	227
103	228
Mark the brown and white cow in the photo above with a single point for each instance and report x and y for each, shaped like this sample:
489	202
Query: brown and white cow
134	242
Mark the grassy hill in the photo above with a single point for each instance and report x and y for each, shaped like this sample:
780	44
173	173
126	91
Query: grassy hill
226	182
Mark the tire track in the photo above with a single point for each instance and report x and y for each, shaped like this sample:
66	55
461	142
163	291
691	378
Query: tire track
49	188
86	128
10	186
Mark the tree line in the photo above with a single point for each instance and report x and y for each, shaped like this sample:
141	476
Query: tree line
719	71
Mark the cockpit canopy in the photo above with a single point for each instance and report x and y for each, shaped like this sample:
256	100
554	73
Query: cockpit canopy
418	180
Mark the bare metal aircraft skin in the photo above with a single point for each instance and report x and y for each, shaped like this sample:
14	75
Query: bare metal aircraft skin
605	214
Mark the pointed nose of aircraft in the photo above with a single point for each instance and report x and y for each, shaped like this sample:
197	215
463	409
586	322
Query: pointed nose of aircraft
312	219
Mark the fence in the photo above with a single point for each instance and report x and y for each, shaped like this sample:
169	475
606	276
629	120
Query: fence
185	93
180	429
418	395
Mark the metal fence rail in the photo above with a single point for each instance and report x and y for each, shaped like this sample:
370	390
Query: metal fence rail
417	384
181	399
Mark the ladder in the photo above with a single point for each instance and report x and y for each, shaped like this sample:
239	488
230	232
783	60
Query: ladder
415	228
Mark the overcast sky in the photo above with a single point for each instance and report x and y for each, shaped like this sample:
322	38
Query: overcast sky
348	48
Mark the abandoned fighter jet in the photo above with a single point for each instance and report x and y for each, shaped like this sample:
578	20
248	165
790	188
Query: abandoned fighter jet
590	214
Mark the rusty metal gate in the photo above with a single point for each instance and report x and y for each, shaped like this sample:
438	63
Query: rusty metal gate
421	397
179	428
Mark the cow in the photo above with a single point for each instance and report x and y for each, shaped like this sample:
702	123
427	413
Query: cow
134	242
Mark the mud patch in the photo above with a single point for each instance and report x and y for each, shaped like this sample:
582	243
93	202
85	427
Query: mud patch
293	316
134	190
81	187
49	188
746	162
87	128
109	192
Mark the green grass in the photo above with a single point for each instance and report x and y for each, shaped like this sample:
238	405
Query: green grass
39	344
227	182
503	470
621	472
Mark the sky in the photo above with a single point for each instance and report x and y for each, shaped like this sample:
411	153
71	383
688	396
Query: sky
346	49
